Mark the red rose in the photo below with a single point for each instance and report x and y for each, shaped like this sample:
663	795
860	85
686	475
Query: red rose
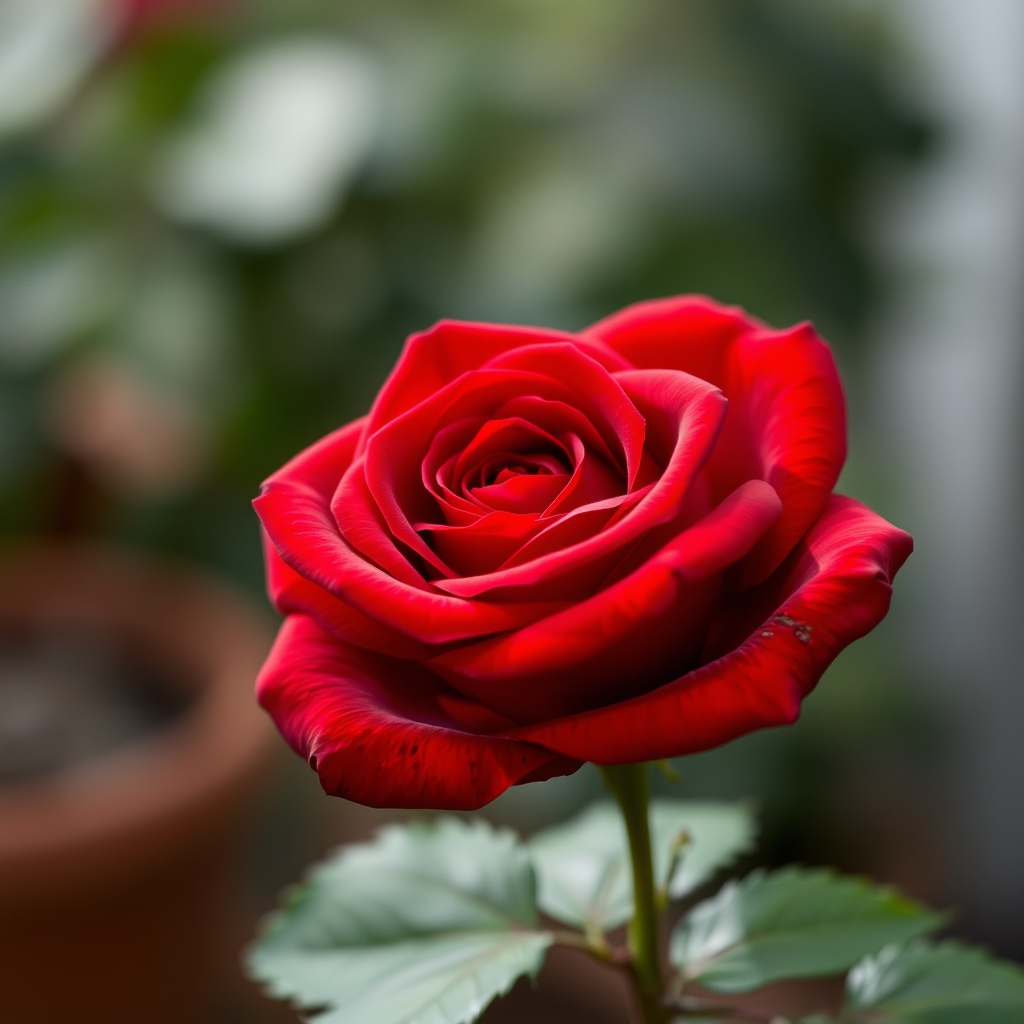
540	549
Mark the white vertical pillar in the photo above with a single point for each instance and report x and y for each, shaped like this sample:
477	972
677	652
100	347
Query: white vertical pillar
951	360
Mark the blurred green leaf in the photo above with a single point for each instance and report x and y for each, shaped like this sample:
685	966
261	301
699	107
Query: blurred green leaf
178	325
51	295
583	866
790	924
425	925
925	983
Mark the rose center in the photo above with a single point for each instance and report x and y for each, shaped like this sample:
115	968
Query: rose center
508	472
499	469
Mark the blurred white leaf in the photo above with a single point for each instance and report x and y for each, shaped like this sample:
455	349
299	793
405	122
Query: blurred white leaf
46	48
281	132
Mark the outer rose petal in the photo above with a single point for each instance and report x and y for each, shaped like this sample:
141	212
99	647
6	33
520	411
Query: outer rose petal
787	413
291	593
835	589
382	732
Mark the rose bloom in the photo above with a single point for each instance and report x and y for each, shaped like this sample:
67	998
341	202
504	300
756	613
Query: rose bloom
540	549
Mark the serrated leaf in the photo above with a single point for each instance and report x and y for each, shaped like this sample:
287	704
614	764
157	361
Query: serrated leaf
583	869
790	924
425	925
927	983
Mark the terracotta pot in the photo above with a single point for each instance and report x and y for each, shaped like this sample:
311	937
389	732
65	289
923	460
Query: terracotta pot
116	871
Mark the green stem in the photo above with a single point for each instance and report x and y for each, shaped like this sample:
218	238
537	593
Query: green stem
628	784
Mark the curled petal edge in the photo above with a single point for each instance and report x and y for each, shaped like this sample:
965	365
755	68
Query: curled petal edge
837	588
387	733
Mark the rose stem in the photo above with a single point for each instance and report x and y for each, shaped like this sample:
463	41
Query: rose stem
628	784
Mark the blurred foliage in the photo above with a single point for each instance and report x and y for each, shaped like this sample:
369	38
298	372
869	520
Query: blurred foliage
219	221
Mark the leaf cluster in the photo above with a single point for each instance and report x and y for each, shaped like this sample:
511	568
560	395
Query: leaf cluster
429	923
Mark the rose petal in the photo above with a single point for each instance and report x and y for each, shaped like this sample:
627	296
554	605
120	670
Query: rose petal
438	465
291	593
788	426
481	546
571	529
685	332
597	393
593	480
836	588
395	453
296	514
501	442
382	732
432	359
696	410
586	655
561	420
526	494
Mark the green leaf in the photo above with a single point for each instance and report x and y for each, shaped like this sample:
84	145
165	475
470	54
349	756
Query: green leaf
791	924
583	866
425	925
925	983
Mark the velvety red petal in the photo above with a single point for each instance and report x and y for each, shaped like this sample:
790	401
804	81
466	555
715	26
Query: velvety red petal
432	359
587	655
381	731
395	453
696	411
360	521
562	420
483	545
835	588
593	480
596	392
498	442
560	372
786	423
436	472
383	503
292	593
296	514
685	332
525	494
